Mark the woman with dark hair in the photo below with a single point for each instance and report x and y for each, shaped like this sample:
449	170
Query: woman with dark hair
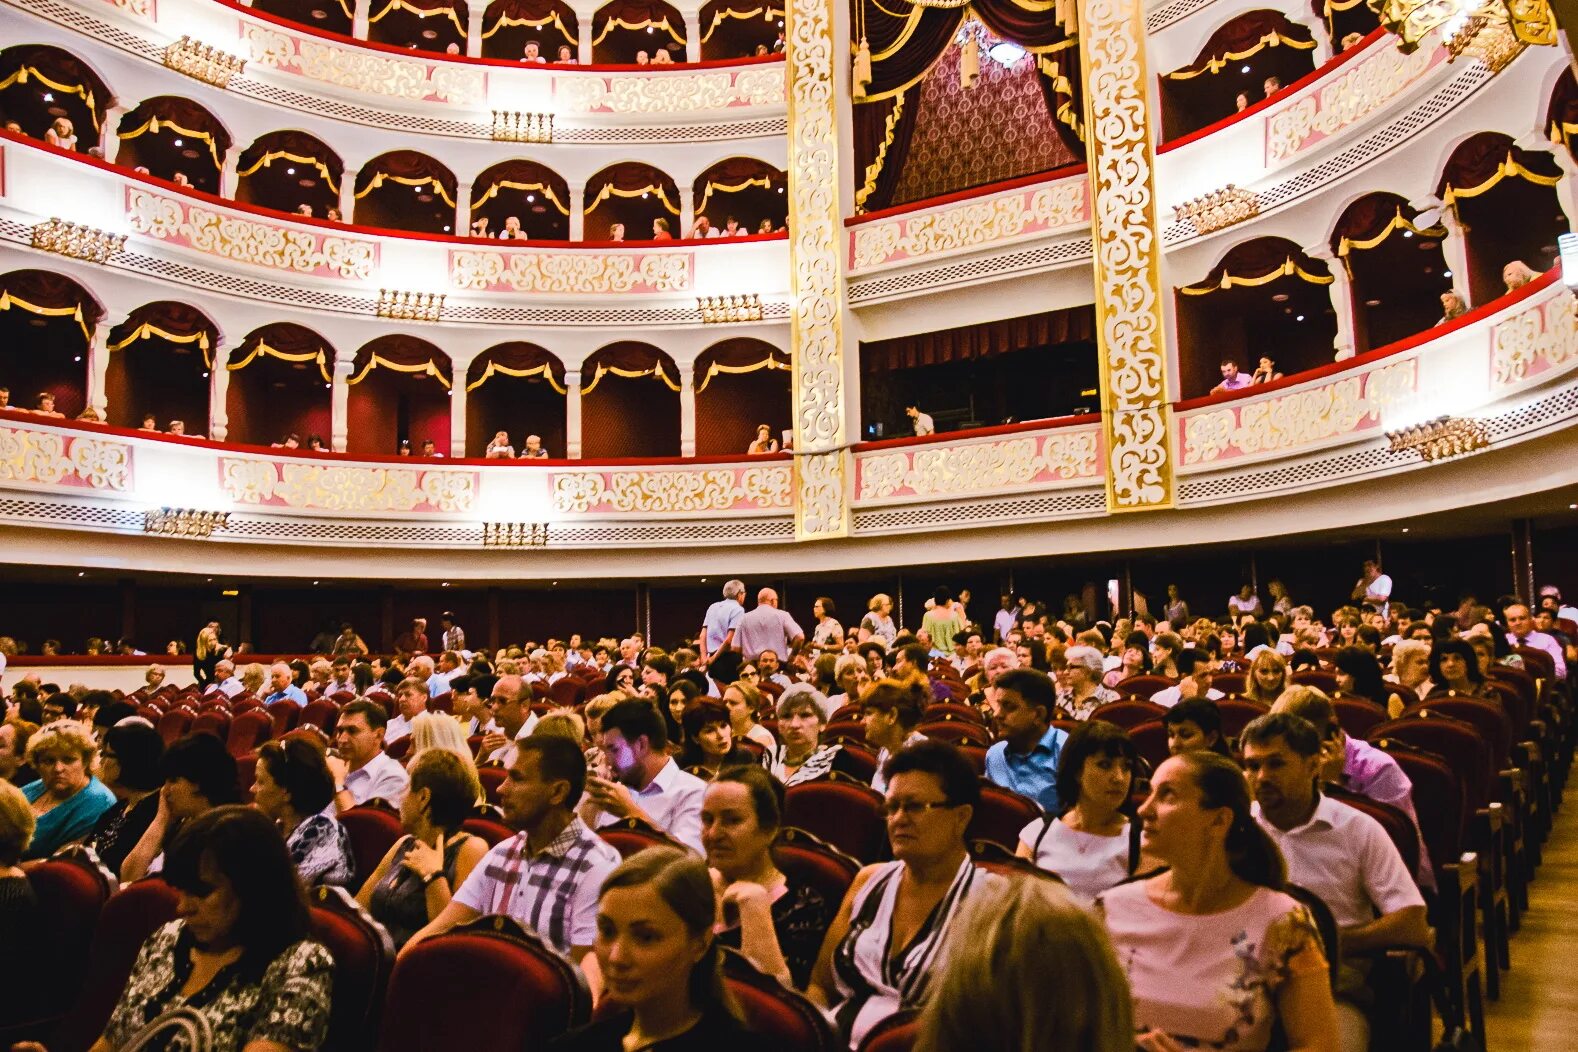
709	740
199	775
1092	845
1216	953
1454	666
362	677
891	709
295	789
300	672
129	758
1195	724
828	635
1135	660
879	952
239	957
1033	654
777	924
677	697
659	962
1359	675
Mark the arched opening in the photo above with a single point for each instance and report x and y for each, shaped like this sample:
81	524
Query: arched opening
290	171
46	325
1249	59
629	402
1348	22
175	139
406	190
438	26
42	85
749	191
633	32
741	383
399	393
741	28
1506	200
1561	118
280	385
637	198
517	388
330	16
509	26
160	359
1396	268
533	195
1266	298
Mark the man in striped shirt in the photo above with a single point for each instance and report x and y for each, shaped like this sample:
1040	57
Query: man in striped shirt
547	876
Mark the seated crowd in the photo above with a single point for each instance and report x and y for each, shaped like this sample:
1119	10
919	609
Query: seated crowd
1033	843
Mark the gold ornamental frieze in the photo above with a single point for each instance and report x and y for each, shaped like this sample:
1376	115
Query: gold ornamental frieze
50	459
1540	338
336	487
571	272
363	69
998	219
1018	462
677	490
641	94
1366	87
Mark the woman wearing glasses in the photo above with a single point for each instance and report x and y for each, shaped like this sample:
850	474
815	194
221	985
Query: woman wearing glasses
908	903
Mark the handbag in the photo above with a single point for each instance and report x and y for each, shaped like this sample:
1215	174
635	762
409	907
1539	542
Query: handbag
186	1021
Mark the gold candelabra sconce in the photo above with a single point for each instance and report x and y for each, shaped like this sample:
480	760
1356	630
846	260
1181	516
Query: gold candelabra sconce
514	534
184	522
1488	36
515	126
77	240
203	62
1219	209
410	306
1443	438
717	310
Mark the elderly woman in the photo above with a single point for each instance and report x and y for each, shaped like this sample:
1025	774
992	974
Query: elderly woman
891	709
129	765
252	677
743	700
199	775
415	880
67	799
851	677
828	635
878	622
1517	274
802	757
295	789
880	949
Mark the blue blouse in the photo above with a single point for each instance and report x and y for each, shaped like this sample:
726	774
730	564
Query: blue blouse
68	821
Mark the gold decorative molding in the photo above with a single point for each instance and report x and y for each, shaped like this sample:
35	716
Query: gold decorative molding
823	464
673	490
53	459
359	68
77	240
1130	323
1360	89
203	62
1443	438
570	271
410	306
1016	462
184	522
343	487
717	310
1218	209
1487	36
514	534
656	93
993	220
1541	337
514	126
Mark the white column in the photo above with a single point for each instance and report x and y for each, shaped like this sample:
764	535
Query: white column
218	390
340	401
584	41
457	410
692	17
572	414
362	11
687	209
109	142
99	367
577	205
687	409
474	15
1341	291
348	191
462	209
1454	248
228	180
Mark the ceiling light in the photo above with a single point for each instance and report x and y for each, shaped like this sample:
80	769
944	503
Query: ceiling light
1005	53
1405	529
1408	233
48	97
290	171
1372	303
1281	297
1246	69
1299	318
1446	273
178	142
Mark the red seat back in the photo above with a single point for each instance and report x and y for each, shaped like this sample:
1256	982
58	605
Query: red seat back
323	714
246	774
214	721
1150	741
70	896
444	702
400	748
363	955
633	835
497	987
1238	714
373	829
896	1033
862	762
129	917
1489	720
1127	714
174	724
1000	815
489	829
844	814
844	731
1229	682
1456	742
1357	716
286	714
779	1014
957	732
248	731
492	778
804	859
568	691
1320	679
1143	686
1439	802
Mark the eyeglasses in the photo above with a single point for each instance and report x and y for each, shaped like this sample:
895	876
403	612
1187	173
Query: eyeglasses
894	808
748	673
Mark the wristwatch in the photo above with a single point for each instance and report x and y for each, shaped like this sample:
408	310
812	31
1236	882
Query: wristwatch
435	875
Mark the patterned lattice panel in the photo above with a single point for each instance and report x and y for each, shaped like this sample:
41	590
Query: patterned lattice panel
1062	505
987	265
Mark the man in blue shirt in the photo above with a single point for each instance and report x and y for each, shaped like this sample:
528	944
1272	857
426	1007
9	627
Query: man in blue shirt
1025	758
282	686
717	628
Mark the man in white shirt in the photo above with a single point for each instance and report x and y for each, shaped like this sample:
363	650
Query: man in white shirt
1335	851
226	681
767	628
448	667
1003	622
646	783
1521	633
512	717
362	770
722	619
411	698
1194	671
923	421
1374	588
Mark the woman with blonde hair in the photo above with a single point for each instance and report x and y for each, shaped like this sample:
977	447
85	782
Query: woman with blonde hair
252	678
878	622
1267	677
1028	970
438	730
67	799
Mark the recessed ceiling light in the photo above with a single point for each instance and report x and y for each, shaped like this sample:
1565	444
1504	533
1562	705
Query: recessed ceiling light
1405	529
178	142
80	573
1299	318
1246	69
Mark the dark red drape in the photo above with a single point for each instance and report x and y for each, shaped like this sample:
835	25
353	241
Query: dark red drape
176	110
640	11
406	164
736	170
51	291
61	67
516	355
299	143
1257	258
933	32
533	11
285	337
402	350
177	319
738	353
1064	90
628	177
1071	325
1243	34
521	171
628	355
1477	159
1369	215
1561	120
871	123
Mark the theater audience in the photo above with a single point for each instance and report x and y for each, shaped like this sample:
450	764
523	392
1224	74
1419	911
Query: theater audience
296	790
61	134
410	702
1411	667
1517	274
802	757
361	770
547	876
1267	677
641	780
1216	954
1194	724
282	686
776	923
891	710
764	441
1080	692
909	903
15	733
878	622
416	879
500	448
1092	845
709	740
19	913
1195	677
129	757
67	799
1359	675
1454	666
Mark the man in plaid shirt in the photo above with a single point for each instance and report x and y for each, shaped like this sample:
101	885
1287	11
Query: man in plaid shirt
546	877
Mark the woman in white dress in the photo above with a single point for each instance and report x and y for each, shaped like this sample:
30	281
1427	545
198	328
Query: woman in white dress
1092	845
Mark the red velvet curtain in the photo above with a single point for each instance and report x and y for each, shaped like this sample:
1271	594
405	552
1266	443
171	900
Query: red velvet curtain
299	143
627	177
1259	258
871	130
630	356
1561	120
738	353
176	110
406	353
1369	215
177	319
737	170
935	28
638	11
406	164
1478	159
62	68
285	337
1242	34
516	355
536	11
1071	325
51	291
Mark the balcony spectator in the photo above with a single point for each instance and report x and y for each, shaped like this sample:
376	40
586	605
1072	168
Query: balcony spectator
922	421
616	233
46	405
1265	372
1452	306
661	57
533	53
660	227
61	134
1232	379
533	449
1517	274
566	56
500	448
765	442
512	229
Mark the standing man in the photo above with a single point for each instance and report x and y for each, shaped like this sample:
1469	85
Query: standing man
454	635
723	618
1003	623
923	422
1374	588
767	628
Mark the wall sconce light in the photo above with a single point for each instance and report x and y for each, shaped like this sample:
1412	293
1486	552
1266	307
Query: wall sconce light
410	306
1487	35
203	62
715	310
77	241
514	534
184	522
514	126
1443	438
1218	209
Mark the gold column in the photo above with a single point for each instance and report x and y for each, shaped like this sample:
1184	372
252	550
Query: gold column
823	464
1130	319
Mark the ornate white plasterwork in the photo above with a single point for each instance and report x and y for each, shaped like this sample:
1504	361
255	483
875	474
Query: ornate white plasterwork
1013	462
678	490
51	459
364	69
337	487
995	220
645	94
572	271
1541	337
